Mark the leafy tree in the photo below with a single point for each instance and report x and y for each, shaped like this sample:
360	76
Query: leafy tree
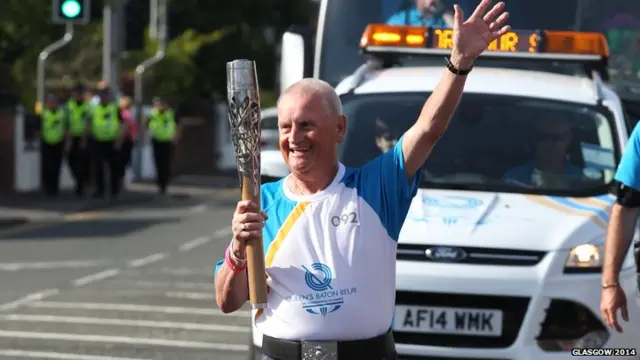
175	75
205	34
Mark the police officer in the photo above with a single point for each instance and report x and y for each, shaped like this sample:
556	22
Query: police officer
53	136
164	130
106	131
78	115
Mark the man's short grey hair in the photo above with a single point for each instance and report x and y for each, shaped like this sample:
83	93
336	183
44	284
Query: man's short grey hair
330	99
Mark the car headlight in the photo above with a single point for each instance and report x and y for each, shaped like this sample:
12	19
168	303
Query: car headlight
585	257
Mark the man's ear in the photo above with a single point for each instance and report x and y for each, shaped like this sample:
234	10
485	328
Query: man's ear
341	127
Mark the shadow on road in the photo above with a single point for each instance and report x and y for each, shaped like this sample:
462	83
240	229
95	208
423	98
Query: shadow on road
65	202
38	210
85	229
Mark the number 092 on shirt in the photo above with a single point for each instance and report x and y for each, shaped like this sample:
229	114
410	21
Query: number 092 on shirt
444	320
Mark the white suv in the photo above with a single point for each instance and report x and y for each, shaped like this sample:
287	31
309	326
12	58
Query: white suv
499	257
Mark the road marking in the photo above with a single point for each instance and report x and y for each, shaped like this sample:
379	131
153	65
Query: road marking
58	356
83	216
29	298
95	277
123	340
192	244
202	240
173	285
190	295
147	260
203	271
123	322
134	308
198	209
223	232
50	265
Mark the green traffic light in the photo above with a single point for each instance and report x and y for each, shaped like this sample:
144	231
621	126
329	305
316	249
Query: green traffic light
71	8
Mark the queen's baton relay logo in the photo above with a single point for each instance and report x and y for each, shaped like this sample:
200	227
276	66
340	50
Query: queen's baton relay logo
325	299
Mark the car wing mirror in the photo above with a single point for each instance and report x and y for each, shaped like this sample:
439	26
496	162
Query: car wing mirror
296	56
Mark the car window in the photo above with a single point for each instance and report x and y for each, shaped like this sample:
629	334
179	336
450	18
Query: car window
270	122
494	142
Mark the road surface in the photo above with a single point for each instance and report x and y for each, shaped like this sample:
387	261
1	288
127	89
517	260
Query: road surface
127	283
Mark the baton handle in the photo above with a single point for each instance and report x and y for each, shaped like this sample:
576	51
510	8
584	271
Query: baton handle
256	270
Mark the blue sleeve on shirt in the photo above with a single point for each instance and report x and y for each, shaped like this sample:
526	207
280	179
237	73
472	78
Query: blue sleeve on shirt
628	172
384	185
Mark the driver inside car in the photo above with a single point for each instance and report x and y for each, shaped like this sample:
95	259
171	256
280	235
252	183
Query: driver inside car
550	166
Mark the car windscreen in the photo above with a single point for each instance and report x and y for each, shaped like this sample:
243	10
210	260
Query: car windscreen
494	142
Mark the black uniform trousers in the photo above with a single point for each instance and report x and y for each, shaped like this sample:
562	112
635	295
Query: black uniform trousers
125	156
162	154
106	155
78	159
51	157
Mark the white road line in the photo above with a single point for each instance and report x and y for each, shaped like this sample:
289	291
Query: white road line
26	299
58	356
147	260
172	285
134	308
223	232
50	265
123	322
122	340
96	277
190	295
202	240
204	271
198	209
192	244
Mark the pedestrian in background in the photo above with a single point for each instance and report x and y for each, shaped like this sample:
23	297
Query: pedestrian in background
53	134
78	113
129	137
107	133
165	133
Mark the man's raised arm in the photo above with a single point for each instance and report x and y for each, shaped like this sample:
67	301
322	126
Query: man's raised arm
470	39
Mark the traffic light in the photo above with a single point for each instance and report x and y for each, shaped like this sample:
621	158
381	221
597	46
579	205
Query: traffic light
77	12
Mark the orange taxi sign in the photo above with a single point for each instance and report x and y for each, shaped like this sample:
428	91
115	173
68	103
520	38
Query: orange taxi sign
530	41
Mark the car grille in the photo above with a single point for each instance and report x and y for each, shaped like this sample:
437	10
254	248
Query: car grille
513	308
472	255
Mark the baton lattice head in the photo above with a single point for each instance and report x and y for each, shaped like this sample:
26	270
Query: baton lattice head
244	118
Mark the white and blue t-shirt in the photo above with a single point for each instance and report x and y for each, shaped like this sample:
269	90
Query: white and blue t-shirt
628	172
331	256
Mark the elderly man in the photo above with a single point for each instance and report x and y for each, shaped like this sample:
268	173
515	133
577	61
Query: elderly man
330	231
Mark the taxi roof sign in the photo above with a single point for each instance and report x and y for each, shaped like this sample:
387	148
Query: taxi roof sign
531	44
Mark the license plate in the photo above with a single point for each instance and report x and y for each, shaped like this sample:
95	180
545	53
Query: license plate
445	320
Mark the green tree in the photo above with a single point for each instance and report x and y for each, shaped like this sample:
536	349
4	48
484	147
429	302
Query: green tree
176	74
205	34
